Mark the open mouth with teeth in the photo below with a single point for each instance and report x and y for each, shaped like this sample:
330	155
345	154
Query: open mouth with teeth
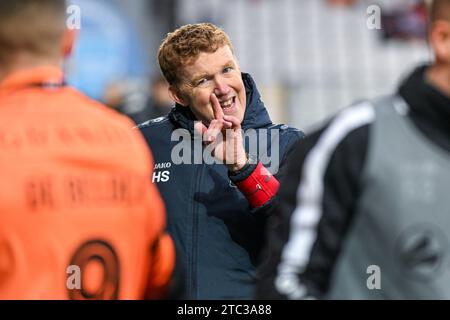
228	105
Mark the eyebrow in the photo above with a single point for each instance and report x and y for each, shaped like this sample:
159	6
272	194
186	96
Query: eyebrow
206	75
200	76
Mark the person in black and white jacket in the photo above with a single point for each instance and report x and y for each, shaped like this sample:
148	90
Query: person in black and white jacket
364	208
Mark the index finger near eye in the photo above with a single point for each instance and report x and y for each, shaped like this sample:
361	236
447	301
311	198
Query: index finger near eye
218	112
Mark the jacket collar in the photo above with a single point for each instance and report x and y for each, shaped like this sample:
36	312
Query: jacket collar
40	76
255	116
429	107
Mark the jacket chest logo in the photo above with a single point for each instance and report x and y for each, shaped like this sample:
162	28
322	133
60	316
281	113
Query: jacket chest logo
161	172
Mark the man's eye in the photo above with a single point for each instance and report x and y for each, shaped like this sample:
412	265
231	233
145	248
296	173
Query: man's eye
201	81
227	69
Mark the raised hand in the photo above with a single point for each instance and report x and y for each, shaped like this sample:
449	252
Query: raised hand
224	137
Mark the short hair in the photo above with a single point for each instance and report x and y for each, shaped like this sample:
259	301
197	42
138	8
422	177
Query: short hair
182	47
440	10
32	26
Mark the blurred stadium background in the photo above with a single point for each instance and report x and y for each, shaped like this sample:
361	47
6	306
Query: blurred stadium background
309	58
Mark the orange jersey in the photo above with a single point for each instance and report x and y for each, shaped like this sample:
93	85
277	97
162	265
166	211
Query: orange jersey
79	217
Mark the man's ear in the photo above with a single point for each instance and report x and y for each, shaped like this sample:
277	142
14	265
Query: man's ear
68	42
440	40
177	97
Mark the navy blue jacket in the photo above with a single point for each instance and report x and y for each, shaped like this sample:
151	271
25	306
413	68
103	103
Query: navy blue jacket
217	235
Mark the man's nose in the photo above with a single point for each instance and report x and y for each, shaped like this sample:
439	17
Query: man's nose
221	88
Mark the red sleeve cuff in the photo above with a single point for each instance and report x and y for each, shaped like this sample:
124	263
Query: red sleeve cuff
259	187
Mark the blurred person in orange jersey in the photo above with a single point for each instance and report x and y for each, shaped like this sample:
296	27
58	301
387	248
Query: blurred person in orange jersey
78	217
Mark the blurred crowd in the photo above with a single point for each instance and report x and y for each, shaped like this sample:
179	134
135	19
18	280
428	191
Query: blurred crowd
289	53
